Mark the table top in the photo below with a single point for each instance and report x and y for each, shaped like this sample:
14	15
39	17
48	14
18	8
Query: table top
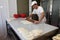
16	23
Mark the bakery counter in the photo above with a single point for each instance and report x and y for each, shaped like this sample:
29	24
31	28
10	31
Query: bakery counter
20	25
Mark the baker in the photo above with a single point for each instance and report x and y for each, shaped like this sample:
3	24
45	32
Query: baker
38	15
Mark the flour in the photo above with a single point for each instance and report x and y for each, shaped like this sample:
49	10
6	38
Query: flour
26	22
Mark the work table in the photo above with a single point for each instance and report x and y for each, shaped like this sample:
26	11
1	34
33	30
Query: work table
16	23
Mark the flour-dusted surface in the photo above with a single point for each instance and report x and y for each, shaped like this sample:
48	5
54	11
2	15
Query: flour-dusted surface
26	22
47	29
29	35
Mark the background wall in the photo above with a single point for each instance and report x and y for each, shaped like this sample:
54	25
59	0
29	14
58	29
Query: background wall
7	9
23	6
12	7
4	10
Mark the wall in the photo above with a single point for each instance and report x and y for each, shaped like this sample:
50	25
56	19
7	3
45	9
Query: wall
12	7
55	14
30	9
3	16
7	9
23	6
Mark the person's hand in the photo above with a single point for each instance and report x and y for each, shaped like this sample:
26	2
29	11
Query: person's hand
36	22
27	18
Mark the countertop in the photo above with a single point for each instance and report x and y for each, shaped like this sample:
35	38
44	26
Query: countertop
16	23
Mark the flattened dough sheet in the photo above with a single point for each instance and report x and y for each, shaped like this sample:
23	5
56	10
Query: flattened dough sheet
26	22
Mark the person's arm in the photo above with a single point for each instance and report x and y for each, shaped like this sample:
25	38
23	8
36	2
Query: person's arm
29	16
41	17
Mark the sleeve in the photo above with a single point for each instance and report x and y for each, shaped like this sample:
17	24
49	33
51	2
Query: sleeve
41	10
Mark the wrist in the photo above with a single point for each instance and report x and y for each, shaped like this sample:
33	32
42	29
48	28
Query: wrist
39	20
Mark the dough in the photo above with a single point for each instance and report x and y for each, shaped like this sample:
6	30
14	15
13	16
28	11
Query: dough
23	30
29	35
26	22
57	37
36	33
